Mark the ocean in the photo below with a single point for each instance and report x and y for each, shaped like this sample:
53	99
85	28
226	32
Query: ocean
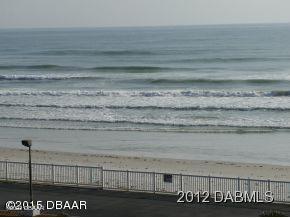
230	79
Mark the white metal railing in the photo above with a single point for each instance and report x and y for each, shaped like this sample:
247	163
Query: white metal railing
138	181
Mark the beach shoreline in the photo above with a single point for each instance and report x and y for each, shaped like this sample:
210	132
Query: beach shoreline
150	164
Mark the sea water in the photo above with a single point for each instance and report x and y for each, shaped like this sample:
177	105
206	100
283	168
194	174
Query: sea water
205	79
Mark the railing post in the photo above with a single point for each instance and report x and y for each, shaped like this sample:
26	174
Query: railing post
128	183
181	181
91	176
6	170
102	177
52	173
209	184
249	185
239	184
77	175
153	182
269	185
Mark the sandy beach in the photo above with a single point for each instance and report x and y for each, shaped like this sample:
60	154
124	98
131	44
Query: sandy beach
194	167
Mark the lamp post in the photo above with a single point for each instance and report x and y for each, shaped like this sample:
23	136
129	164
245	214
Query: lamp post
28	143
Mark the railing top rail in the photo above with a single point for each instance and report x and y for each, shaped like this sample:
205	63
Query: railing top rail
120	171
130	171
62	165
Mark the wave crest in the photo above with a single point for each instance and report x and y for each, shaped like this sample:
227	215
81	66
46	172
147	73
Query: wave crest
46	77
94	52
155	123
214	81
151	107
171	93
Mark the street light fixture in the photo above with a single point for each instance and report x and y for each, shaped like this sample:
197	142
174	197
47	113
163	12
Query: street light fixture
28	143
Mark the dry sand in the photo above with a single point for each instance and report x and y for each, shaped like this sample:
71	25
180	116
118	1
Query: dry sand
194	167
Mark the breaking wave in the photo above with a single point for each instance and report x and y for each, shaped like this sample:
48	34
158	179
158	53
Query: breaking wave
214	81
139	122
151	107
171	93
45	77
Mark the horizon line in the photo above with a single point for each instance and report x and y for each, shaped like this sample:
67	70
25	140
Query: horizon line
146	26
